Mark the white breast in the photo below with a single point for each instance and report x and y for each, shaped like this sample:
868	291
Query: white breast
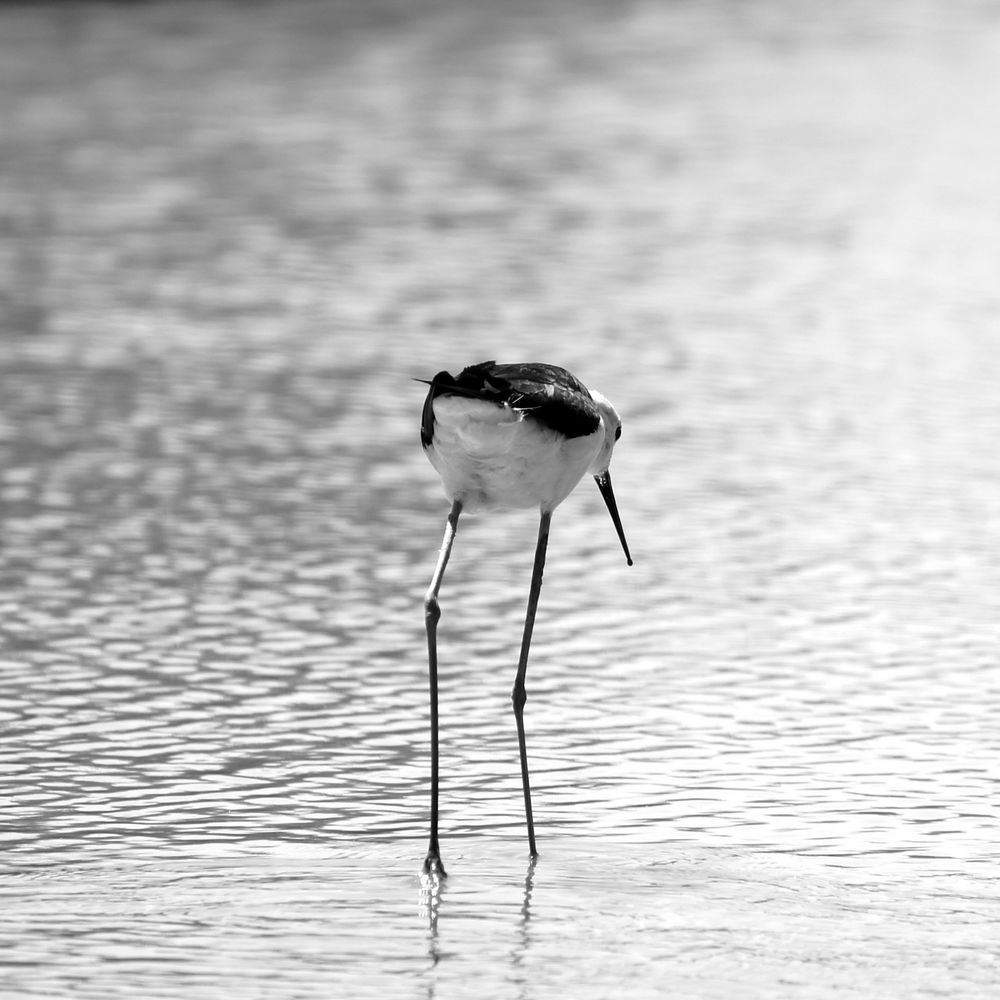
492	457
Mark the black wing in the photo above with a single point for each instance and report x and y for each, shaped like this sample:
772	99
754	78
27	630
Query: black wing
545	393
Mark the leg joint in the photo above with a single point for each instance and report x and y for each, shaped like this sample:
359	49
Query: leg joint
432	610
518	696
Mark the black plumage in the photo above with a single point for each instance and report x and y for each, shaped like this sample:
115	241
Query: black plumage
546	393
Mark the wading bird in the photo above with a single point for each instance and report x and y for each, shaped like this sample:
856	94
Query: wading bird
501	437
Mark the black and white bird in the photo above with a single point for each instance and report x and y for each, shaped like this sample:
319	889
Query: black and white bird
501	437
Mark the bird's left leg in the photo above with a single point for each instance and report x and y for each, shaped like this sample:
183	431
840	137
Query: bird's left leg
432	612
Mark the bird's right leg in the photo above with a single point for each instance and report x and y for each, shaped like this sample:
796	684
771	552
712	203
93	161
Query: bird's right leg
432	612
518	695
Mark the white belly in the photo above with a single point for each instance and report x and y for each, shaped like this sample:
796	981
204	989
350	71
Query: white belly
491	457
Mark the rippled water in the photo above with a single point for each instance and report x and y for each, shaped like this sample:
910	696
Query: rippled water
765	757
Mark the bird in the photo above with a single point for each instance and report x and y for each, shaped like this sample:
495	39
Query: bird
509	436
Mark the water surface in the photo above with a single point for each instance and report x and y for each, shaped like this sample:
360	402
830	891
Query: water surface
765	757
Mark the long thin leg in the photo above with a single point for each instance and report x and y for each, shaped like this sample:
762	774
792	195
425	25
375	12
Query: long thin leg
518	695
432	612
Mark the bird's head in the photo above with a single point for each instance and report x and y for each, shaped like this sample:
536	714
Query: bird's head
600	466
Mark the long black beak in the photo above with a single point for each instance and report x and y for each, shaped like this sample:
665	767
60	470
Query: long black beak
604	485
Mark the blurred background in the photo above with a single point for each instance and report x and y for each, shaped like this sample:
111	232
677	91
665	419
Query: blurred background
231	234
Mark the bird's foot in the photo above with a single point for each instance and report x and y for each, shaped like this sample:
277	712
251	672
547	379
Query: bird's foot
433	868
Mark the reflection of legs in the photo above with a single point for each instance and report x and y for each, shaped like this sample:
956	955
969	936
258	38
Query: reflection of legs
518	695
432	612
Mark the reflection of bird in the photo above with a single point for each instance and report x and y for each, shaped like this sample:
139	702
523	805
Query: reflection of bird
504	436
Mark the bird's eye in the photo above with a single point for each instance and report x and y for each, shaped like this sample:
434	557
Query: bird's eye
618	432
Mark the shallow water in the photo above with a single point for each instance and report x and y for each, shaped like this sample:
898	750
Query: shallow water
765	757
